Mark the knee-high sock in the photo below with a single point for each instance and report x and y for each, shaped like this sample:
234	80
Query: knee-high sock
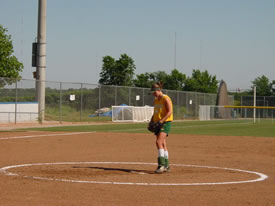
166	154
161	152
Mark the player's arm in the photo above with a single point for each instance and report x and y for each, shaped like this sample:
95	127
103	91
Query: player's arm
168	105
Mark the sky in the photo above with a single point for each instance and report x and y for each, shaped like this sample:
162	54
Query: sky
231	39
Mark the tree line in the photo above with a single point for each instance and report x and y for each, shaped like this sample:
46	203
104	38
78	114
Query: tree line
121	72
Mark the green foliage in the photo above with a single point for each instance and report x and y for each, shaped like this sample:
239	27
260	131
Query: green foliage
263	87
23	95
70	114
201	82
198	82
147	79
89	98
237	102
159	76
117	72
179	112
10	67
120	72
143	80
173	81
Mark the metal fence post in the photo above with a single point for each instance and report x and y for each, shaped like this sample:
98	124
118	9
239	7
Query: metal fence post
186	103
241	105
116	95
143	97
60	103
81	100
99	96
129	96
15	112
178	104
196	106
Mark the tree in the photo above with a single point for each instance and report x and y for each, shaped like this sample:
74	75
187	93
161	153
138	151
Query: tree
173	81
143	80
147	79
10	67
117	72
201	82
263	87
159	76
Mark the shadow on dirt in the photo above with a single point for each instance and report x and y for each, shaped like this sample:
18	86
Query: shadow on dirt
117	169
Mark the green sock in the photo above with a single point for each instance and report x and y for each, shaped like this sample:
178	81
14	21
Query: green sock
166	163
161	161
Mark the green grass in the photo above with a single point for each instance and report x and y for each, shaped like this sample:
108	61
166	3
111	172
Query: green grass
228	128
70	114
225	128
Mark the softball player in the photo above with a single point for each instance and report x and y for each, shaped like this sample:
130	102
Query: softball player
163	113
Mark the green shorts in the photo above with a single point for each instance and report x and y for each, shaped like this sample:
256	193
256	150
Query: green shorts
166	127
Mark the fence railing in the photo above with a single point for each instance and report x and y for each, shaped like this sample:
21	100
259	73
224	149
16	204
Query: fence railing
258	113
266	101
65	101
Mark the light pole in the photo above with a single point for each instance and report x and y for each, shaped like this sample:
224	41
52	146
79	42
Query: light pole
41	58
254	110
175	51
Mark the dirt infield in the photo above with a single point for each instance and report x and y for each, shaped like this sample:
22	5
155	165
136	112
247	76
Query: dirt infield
117	169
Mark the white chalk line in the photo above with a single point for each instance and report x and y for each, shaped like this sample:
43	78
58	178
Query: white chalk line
44	135
261	177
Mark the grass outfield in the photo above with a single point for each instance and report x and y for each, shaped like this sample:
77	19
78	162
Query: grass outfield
225	128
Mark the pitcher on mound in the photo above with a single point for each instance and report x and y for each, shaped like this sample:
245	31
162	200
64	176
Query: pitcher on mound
162	117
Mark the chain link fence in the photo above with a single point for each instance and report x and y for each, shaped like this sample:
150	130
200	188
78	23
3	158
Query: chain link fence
263	101
65	101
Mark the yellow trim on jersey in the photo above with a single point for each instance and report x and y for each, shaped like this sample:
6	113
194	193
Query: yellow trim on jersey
160	110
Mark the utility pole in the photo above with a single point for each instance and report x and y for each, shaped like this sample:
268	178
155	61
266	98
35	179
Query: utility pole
254	103
175	51
201	55
41	58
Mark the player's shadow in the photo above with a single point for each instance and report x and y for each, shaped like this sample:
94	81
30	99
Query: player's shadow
116	169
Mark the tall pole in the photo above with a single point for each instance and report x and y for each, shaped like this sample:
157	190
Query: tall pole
254	111
175	51
41	58
200	54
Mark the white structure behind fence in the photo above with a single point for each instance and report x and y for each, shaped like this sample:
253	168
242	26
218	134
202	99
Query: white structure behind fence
25	111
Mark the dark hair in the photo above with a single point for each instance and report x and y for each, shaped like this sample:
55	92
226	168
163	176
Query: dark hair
157	85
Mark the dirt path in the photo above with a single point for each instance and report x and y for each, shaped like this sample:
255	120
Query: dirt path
86	170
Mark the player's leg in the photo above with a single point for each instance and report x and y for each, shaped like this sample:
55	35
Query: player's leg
166	155
161	145
166	129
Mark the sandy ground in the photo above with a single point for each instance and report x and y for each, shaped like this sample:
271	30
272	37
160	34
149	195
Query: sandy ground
109	169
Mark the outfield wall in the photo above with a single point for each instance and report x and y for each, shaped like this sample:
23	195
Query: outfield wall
18	112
